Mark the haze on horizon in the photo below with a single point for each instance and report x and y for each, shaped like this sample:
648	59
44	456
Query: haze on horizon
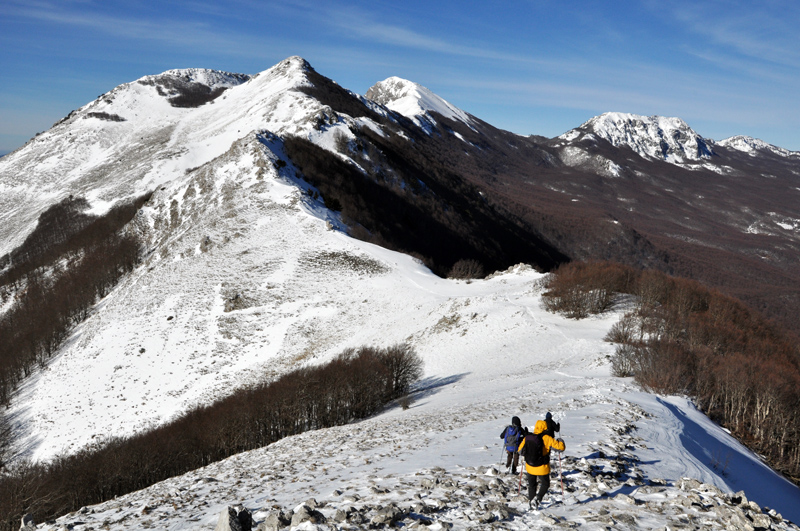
533	67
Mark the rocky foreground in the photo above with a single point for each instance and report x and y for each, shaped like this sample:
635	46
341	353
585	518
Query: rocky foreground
604	489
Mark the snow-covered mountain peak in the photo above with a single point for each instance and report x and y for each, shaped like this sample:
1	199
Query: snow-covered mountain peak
148	132
414	101
753	146
656	137
294	67
204	76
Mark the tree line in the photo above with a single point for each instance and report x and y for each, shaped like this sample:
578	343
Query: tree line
680	337
408	200
355	384
51	282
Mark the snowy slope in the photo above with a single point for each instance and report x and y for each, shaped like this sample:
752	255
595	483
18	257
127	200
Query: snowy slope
106	160
491	352
752	146
163	340
654	137
415	102
247	277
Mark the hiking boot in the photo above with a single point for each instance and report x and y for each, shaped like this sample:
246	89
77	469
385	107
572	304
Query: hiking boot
513	472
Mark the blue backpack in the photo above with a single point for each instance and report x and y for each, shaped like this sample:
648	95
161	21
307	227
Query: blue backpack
513	438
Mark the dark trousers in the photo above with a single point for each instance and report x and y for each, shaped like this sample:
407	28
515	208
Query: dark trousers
512	457
544	484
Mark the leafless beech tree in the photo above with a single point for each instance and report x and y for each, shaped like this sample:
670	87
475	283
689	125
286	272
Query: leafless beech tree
467	268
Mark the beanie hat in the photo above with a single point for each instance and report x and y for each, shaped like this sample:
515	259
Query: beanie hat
548	416
515	421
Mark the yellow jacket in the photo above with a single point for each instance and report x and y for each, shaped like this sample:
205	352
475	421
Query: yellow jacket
549	443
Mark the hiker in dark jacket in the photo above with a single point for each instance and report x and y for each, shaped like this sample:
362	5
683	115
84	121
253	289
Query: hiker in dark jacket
539	471
512	435
552	426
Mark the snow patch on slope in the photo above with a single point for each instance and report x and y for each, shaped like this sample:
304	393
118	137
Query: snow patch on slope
578	157
768	223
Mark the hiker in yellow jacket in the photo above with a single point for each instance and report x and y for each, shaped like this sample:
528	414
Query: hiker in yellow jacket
537	460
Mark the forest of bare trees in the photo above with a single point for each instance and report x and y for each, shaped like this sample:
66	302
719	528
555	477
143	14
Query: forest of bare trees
53	279
354	385
414	203
680	337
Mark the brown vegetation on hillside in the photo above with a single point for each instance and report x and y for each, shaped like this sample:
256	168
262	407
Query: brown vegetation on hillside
54	278
415	205
690	222
681	337
355	385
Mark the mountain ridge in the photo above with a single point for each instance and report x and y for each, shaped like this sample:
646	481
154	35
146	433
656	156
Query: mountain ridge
241	127
543	173
250	268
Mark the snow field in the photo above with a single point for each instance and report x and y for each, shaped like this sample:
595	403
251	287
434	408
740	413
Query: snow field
245	279
438	464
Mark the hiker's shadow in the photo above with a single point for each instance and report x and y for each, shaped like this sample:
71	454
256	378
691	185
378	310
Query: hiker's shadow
623	489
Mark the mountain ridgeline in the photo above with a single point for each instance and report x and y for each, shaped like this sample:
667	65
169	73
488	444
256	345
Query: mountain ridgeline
183	161
644	191
206	210
411	172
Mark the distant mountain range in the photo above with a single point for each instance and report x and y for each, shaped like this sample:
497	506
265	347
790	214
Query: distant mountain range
230	159
647	191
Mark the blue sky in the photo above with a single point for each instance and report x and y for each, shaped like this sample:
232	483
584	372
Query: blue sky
532	67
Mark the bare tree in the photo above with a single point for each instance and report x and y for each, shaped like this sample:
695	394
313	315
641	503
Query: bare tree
467	269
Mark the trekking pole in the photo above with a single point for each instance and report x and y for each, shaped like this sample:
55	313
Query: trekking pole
560	478
519	486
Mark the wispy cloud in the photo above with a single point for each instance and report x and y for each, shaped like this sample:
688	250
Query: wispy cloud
81	16
628	87
406	38
765	31
360	25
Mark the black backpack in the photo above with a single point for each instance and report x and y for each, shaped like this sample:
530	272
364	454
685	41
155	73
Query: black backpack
534	451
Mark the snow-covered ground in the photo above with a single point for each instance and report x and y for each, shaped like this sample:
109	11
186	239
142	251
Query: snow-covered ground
247	276
490	352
